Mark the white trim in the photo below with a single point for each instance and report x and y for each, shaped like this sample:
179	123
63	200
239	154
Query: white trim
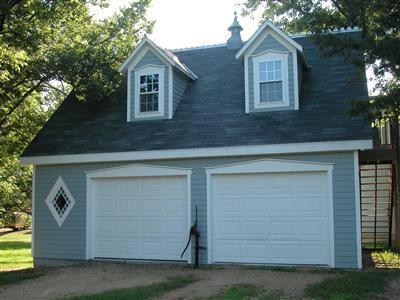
265	57
260	30
149	66
358	205
296	81
128	101
134	170
33	211
149	70
246	84
138	170
49	200
331	220
201	152
270	166
170	93
147	41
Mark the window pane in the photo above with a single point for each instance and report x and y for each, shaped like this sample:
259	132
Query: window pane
270	76
278	75
155	78
149	102
263	76
142	79
278	65
263	67
270	66
271	92
155	87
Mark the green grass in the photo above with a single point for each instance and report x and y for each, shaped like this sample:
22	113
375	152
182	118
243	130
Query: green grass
142	292
15	251
352	285
386	259
15	258
11	277
245	291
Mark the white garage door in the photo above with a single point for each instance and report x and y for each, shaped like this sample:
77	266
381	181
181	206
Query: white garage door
140	218
278	218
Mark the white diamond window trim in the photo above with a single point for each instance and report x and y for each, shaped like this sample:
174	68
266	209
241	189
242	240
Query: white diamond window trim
60	201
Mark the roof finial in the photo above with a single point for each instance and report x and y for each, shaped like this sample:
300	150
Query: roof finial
235	41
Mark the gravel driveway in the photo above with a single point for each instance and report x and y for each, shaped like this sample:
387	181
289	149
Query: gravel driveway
101	276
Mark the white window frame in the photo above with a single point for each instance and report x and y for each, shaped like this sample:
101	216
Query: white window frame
269	56
149	70
49	200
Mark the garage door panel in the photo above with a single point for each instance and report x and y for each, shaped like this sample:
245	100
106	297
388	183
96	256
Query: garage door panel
142	218
280	218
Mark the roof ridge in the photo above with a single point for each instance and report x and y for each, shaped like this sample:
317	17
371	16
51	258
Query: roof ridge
293	36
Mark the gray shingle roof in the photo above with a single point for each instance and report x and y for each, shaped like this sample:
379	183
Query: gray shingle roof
212	112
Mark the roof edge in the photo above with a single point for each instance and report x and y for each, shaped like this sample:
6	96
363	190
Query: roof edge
244	150
173	61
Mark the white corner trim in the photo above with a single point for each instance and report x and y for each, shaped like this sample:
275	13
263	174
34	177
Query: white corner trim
296	81
129	98
246	84
134	170
331	220
201	152
148	70
271	166
170	93
357	208
49	200
265	57
33	211
274	29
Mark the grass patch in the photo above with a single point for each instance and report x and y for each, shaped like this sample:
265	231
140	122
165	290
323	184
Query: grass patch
142	292
352	285
12	277
246	291
386	259
15	251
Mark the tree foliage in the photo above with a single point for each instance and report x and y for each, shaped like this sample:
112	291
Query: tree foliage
49	48
379	21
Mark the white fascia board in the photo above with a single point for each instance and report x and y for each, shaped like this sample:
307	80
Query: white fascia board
292	148
269	24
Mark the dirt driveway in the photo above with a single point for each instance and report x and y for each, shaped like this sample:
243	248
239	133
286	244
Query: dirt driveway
100	276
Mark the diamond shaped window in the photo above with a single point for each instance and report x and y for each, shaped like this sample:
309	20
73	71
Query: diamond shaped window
60	201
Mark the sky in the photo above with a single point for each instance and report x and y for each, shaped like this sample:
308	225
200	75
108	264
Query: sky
191	23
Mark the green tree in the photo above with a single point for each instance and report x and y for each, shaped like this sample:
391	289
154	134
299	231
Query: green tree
379	21
49	48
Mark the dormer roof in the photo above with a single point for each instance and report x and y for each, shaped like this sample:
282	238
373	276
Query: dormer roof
165	54
268	24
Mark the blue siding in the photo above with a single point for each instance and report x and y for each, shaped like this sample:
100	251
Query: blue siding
150	58
68	241
180	84
270	43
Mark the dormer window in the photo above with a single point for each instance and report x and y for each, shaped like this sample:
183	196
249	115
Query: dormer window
271	88
149	91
